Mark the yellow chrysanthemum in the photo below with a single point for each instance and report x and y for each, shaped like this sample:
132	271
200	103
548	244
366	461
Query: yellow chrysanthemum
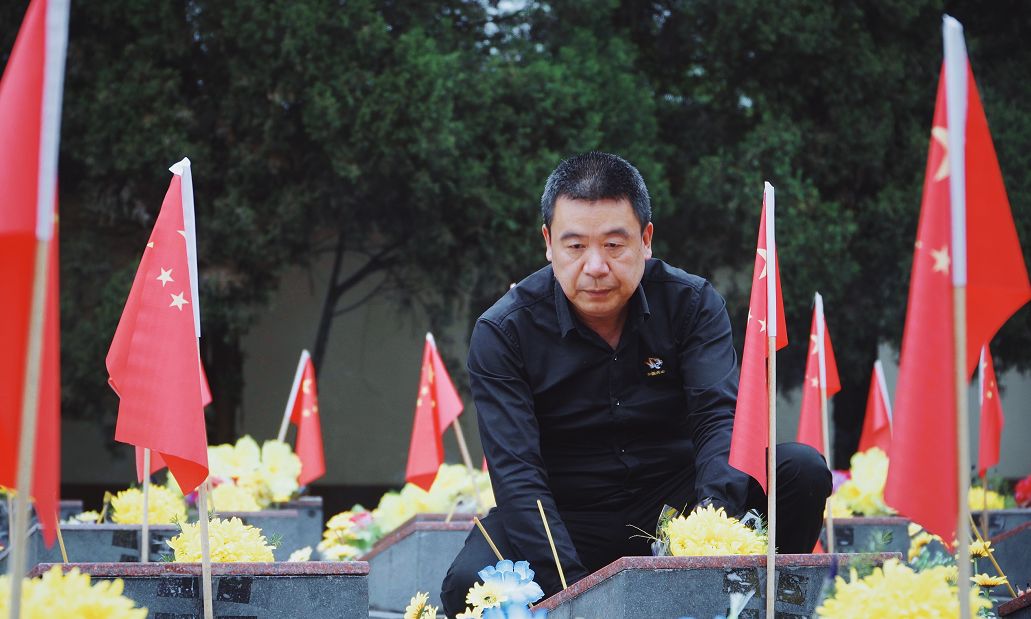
863	494
484	596
897	591
419	608
393	510
230	541
980	549
986	581
228	497
976	499
164	506
300	555
65	596
710	532
332	551
919	541
471	613
87	517
838	507
281	468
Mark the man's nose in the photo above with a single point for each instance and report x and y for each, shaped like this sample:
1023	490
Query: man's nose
596	266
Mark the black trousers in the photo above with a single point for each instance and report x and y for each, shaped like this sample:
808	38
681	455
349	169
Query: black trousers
803	485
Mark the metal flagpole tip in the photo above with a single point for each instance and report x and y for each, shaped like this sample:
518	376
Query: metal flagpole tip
178	167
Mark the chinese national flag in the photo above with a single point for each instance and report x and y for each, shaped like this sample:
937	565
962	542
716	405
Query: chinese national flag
156	462
922	475
26	219
992	419
436	407
751	419
810	422
877	422
154	363
305	415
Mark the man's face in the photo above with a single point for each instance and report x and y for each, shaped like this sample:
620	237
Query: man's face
597	251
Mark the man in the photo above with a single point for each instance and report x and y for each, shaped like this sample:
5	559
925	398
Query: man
605	386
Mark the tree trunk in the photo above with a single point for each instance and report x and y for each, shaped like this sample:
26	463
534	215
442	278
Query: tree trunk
328	308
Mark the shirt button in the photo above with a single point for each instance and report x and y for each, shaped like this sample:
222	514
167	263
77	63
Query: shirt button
618	402
615	358
622	451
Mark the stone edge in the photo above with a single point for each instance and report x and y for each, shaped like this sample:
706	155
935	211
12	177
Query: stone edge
152	570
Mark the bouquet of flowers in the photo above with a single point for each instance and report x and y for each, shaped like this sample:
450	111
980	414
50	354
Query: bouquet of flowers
507	591
268	473
164	506
707	531
863	493
59	595
349	535
230	541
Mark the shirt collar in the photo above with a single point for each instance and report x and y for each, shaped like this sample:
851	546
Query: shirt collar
639	310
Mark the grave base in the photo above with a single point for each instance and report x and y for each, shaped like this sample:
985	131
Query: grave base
649	587
863	534
313	590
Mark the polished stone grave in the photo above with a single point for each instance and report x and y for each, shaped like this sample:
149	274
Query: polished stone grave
865	534
1013	553
297	524
1017	608
414	557
312	590
650	587
1002	520
65	510
97	543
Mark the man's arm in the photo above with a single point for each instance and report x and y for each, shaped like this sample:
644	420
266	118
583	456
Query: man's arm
511	442
708	366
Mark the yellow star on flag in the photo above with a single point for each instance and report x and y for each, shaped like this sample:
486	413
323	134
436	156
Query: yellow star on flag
812	337
150	244
762	326
762	254
165	277
815	382
178	301
306	385
306	412
941	259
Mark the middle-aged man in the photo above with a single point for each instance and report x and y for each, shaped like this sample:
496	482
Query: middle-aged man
605	386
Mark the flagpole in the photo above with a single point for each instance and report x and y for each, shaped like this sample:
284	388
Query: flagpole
27	438
956	96
462	447
771	478
769	200
145	533
984	479
205	550
285	425
828	448
55	47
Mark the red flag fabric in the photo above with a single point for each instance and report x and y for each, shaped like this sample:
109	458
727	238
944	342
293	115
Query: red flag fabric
922	482
153	363
305	415
751	419
810	421
437	406
992	419
877	422
21	125
156	461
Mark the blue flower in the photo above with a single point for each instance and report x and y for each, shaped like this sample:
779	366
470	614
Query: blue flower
514	581
513	611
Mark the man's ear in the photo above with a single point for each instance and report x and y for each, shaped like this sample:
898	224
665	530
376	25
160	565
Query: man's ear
547	241
646	238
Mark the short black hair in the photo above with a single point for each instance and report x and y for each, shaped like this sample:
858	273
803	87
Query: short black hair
596	176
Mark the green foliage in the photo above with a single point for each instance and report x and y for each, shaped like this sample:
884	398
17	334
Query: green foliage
419	135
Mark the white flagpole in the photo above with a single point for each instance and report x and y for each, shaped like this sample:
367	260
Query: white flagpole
828	448
145	531
56	35
290	401
882	385
205	550
956	92
771	385
984	481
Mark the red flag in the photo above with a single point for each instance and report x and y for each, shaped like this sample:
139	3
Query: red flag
810	421
922	482
436	407
156	461
304	413
154	363
877	422
751	419
992	419
28	178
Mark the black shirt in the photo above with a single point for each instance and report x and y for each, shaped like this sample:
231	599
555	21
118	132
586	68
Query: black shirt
567	419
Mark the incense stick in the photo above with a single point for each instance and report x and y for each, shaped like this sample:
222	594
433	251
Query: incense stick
991	558
60	540
486	536
551	540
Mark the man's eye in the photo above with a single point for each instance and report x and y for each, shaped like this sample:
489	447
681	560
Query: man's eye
576	246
